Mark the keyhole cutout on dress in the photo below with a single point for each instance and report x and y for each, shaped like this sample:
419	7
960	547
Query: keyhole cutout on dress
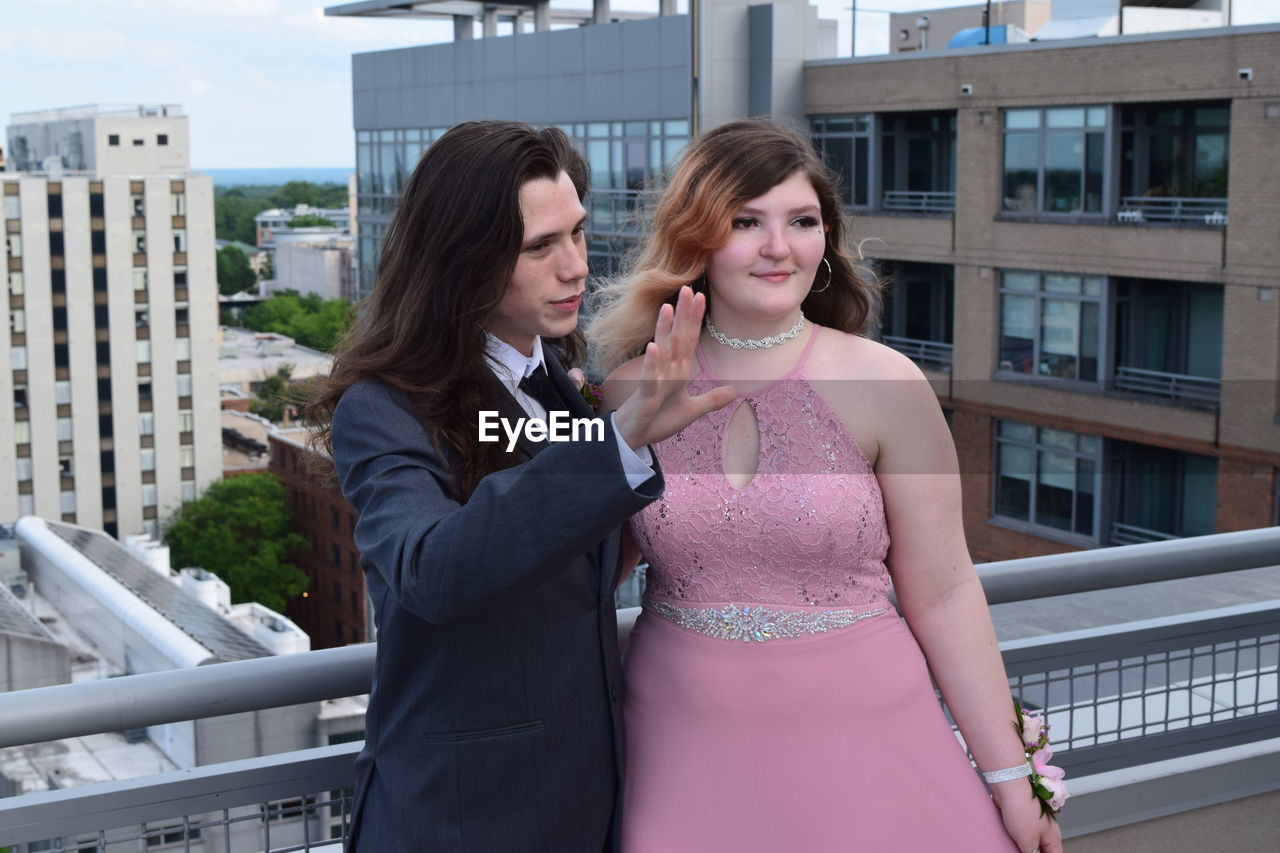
741	456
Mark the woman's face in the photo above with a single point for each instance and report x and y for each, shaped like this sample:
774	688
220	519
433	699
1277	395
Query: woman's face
775	247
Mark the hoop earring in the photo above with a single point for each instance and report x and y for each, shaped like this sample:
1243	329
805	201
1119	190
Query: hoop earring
829	277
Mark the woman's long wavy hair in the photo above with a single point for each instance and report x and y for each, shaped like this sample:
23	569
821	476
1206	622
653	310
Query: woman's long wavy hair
447	260
719	172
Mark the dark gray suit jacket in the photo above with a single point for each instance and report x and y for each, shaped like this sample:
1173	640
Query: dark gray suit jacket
493	723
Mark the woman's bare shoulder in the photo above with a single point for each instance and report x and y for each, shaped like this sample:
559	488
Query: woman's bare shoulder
840	355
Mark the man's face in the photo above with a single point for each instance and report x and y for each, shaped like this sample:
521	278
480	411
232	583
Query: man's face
550	275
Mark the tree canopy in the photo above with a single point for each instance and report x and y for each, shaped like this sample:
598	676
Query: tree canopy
311	220
235	207
309	320
240	529
234	273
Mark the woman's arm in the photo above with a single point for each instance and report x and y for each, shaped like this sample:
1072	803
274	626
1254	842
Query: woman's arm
940	594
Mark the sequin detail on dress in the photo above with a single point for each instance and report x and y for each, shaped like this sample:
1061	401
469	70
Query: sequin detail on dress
807	531
757	624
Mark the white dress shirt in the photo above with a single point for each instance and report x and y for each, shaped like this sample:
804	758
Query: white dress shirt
511	366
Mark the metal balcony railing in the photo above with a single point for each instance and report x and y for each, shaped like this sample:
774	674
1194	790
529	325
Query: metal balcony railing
614	213
1171	386
925	352
1117	697
1140	208
920	202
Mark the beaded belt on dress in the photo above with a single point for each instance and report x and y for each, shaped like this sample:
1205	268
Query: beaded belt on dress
751	623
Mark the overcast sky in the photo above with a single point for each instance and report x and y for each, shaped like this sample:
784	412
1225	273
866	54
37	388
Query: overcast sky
266	83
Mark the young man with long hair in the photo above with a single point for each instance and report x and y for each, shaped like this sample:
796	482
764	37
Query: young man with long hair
493	722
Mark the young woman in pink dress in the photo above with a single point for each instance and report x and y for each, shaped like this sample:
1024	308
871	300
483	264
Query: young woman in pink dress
774	699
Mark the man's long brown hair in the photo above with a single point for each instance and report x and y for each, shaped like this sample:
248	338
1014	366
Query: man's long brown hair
447	260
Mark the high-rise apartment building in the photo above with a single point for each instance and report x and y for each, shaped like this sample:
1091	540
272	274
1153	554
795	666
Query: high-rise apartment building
1078	235
113	313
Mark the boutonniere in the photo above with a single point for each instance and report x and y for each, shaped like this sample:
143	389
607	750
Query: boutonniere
593	394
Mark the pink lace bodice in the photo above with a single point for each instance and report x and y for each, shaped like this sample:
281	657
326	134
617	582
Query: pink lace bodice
807	531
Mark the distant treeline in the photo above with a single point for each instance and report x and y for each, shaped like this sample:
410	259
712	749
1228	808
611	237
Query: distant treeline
234	207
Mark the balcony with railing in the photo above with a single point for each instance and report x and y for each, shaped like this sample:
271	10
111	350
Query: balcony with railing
1178	387
919	201
1151	718
1139	209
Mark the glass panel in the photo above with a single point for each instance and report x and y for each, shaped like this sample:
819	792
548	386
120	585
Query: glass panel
1213	117
1059	339
598	158
1064	117
1084	497
1093	285
1055	490
839	156
1061	283
841	124
1064	160
1090	331
1204	333
64	429
1093	170
1021	119
1017	333
1210	165
1021	164
1199	494
1097	117
677	127
615	128
1013	429
1013	481
1060	438
861	156
1087	444
598	129
636	128
1022	281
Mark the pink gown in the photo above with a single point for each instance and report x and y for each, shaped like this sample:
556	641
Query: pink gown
774	700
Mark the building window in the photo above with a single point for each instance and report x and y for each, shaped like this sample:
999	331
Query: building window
1167	332
17	321
24	468
139	278
64	429
178	204
140	242
138	203
144	352
845	144
918	161
162	139
62	392
64	466
182	349
22	432
148	494
1050	324
138	143
180	240
1174	150
113	139
918	313
67	502
19	396
188	491
184	386
1047	477
147	459
1157	493
18	358
186	457
26	504
14	244
146	423
12	207
1054	159
15	283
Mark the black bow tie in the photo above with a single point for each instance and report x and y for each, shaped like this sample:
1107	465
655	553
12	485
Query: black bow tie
539	386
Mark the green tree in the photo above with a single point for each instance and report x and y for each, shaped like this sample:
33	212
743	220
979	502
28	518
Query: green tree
240	529
234	273
311	220
309	320
273	395
233	213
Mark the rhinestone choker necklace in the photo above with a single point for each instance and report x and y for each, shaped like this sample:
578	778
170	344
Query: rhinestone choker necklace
755	343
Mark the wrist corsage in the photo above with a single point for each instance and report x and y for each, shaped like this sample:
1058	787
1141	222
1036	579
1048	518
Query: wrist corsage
1046	780
593	394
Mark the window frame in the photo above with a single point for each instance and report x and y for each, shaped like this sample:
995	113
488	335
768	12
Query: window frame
1110	168
1102	299
1035	446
